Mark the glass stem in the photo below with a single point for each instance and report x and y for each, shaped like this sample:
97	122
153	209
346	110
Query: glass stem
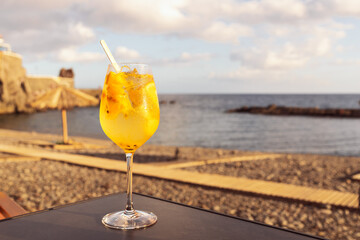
129	210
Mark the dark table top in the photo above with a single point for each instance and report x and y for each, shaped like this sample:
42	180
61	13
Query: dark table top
175	221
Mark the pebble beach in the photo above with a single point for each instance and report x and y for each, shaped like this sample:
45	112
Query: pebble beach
41	184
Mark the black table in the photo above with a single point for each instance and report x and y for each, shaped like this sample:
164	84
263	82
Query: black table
175	221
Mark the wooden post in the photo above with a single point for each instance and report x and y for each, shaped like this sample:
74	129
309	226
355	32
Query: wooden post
64	123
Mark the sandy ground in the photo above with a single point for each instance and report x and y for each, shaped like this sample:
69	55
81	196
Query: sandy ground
42	184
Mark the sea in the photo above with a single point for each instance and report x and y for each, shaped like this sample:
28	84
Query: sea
200	120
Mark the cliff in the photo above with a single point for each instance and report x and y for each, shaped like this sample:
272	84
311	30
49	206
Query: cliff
17	89
14	87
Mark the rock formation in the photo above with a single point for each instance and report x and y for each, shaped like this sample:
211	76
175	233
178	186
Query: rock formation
14	87
18	90
298	111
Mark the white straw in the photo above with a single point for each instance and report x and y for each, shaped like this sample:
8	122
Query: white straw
110	56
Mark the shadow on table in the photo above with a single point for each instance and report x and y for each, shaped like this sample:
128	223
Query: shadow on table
76	231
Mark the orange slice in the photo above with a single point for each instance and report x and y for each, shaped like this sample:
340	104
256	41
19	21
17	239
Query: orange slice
116	96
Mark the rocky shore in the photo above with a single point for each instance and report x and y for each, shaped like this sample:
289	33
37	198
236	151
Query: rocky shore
43	184
298	111
37	185
327	172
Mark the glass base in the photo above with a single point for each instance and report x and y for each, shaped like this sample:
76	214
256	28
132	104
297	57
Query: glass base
122	220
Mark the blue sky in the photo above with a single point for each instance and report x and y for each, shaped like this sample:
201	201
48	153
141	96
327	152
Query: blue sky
198	46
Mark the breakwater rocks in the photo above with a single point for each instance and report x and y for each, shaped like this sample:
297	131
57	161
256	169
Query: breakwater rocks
298	111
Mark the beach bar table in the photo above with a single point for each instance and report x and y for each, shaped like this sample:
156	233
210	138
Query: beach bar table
82	220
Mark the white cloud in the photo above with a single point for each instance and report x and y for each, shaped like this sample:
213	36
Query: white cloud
223	21
268	38
78	30
287	11
268	11
44	41
184	58
250	74
71	54
287	57
346	62
291	48
188	57
276	56
330	8
176	18
124	53
221	32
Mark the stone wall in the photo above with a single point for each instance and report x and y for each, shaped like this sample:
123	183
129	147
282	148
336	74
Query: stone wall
41	84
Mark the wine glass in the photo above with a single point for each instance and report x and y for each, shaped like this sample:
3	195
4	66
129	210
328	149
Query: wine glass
129	116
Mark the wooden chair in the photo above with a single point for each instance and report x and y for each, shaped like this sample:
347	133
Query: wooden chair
8	207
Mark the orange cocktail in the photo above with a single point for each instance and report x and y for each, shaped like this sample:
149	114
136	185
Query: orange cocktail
129	110
129	116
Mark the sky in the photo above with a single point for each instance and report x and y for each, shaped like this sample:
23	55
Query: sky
194	46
